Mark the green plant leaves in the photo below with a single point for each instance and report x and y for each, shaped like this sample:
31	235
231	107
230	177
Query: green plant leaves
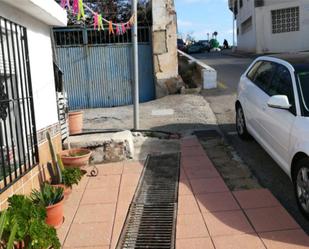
25	223
49	195
71	176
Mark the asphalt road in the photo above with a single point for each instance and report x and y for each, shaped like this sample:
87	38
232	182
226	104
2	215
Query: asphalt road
222	100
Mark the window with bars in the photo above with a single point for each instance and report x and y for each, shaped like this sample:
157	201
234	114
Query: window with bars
18	145
285	20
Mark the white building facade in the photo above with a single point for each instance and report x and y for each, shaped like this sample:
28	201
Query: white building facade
28	106
271	26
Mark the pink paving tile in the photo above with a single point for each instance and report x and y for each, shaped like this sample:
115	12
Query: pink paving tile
187	205
227	223
110	169
215	202
97	196
184	187
195	151
133	167
255	198
271	219
95	213
290	239
130	179
110	181
122	210
189	161
126	193
89	235
188	142
116	233
208	185
196	173
242	241
191	226
196	243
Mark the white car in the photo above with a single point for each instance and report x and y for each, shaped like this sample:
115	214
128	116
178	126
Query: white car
273	106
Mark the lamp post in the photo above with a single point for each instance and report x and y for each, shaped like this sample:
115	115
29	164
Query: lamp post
135	63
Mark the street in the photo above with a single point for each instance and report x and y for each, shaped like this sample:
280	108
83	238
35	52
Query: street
222	101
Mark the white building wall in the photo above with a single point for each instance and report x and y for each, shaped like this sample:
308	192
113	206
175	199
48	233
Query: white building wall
246	41
282	42
41	65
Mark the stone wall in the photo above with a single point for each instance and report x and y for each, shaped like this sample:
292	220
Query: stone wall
164	39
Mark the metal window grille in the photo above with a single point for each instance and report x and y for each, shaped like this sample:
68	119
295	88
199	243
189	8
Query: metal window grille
18	144
285	20
89	36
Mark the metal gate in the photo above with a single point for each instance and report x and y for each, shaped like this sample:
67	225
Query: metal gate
98	67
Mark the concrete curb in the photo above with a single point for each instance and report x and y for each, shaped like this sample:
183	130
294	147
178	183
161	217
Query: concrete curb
209	74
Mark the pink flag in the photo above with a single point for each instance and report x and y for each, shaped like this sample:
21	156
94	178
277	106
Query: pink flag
95	21
63	3
123	28
75	6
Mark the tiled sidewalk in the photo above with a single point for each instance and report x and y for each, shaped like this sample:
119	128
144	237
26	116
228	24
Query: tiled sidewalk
96	210
209	215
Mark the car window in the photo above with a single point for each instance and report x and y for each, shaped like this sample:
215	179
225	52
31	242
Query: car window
282	84
264	75
252	72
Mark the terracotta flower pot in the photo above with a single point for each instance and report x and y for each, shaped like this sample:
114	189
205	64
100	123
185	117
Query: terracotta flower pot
66	190
75	157
75	122
55	214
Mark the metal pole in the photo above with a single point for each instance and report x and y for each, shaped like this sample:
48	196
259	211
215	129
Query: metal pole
135	63
233	28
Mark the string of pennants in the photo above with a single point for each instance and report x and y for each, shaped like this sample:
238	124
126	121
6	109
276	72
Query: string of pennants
78	8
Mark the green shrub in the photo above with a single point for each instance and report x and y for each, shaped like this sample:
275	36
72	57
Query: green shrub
71	176
27	221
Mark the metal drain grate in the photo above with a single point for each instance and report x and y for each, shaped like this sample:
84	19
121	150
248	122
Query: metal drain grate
151	219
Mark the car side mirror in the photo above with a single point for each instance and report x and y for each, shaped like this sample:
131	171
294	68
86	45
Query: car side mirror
279	101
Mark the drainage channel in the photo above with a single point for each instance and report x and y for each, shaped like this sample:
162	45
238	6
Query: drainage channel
151	219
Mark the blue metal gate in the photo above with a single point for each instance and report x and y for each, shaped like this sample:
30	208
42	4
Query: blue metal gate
98	67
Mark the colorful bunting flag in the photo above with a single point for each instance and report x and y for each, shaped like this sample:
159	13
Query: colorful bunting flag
75	6
81	11
78	9
110	28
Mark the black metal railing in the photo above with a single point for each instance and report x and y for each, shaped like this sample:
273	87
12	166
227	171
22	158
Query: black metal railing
18	144
90	36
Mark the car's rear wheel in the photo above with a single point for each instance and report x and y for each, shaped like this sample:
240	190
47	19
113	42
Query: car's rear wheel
241	123
301	185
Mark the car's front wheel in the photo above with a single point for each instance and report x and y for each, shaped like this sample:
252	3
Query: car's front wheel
241	123
301	185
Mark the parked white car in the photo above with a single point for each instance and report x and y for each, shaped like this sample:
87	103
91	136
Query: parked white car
273	106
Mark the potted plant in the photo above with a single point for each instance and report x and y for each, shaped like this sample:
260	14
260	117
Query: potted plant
71	176
75	122
75	157
25	226
52	199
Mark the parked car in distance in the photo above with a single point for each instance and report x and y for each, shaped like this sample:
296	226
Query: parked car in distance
205	45
195	48
181	45
273	106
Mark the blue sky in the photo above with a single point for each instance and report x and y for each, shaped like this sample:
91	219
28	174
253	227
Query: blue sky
199	17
